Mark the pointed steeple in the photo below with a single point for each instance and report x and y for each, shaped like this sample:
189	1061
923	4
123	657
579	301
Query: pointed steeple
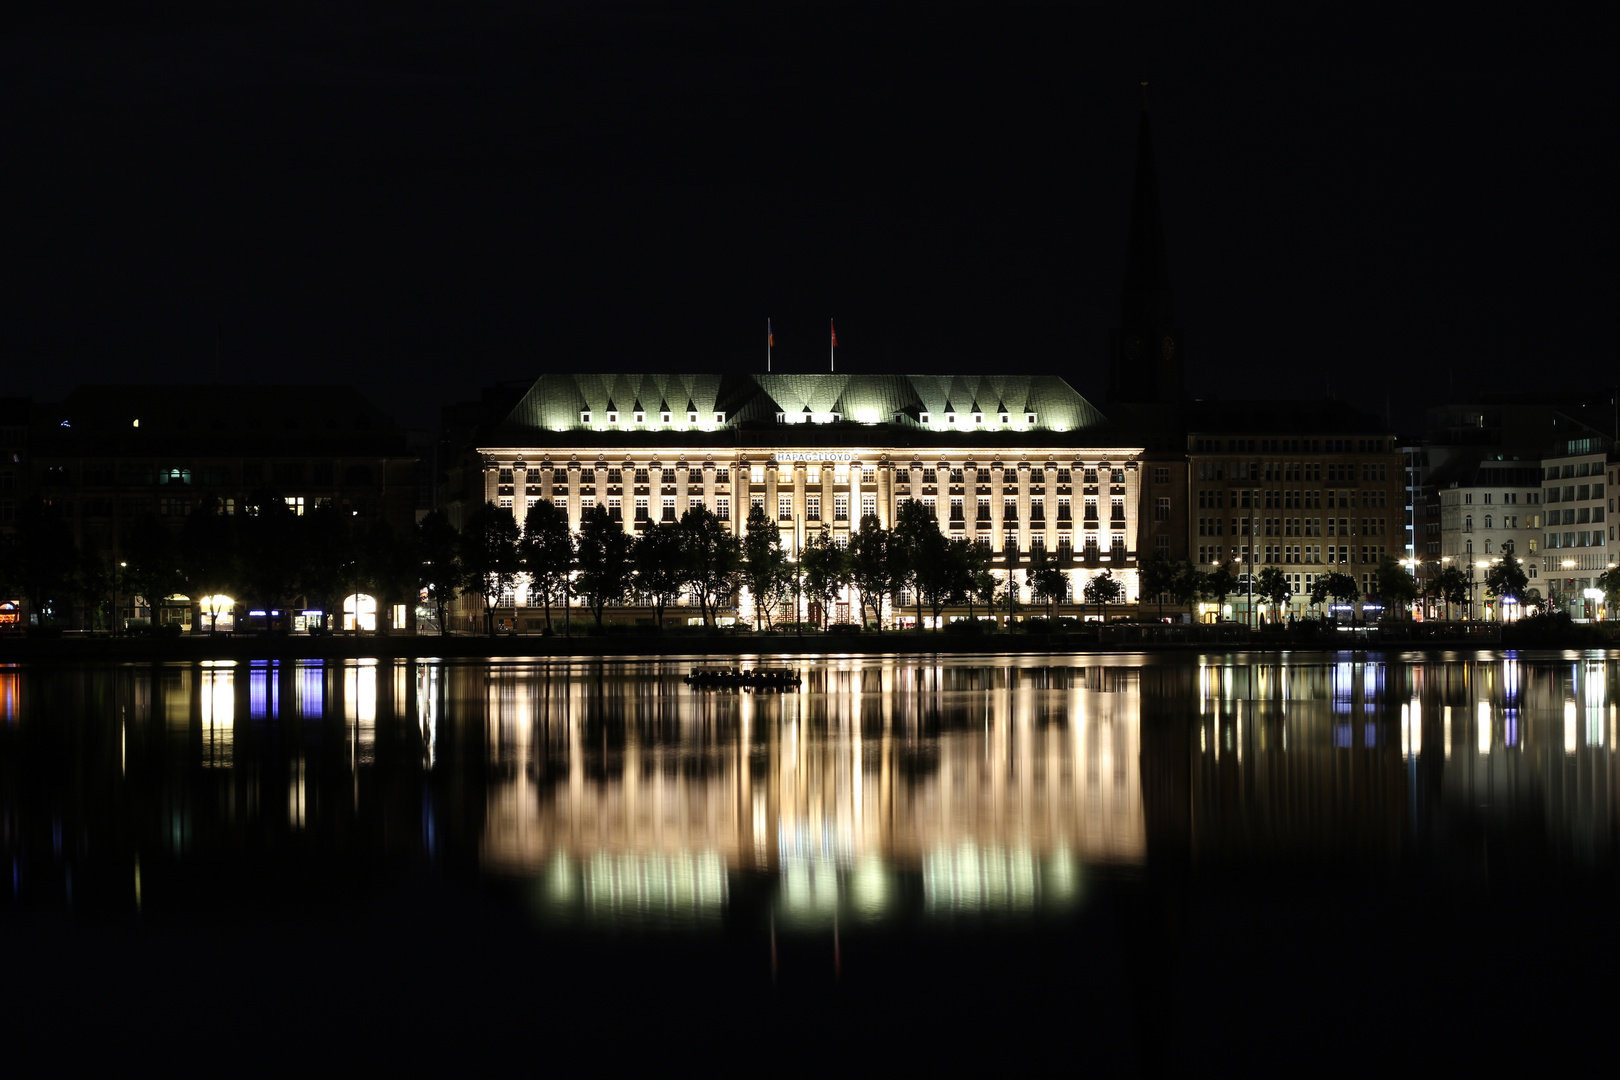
1147	267
1145	362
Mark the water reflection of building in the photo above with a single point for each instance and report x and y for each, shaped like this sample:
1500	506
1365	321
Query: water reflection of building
993	784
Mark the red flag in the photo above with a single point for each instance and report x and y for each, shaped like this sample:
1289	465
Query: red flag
834	333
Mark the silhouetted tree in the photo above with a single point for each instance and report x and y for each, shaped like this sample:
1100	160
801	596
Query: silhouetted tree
656	557
826	571
547	554
765	568
711	559
870	566
1159	572
489	556
1103	590
439	572
1271	586
604	561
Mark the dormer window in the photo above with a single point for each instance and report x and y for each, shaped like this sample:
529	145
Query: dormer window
664	417
691	418
613	418
1029	418
978	418
924	418
719	417
950	418
641	417
585	416
1006	418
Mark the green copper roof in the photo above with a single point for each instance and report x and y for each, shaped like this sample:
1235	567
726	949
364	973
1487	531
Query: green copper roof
871	408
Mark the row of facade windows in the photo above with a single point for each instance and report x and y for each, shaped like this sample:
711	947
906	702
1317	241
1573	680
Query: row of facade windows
1291	499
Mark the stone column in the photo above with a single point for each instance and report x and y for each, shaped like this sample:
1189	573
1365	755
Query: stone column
573	496
1024	530
997	495
885	494
797	536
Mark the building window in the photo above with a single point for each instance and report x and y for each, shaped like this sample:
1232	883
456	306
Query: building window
868	505
1117	510
722	507
1162	543
1063	508
812	507
615	508
984	508
956	508
840	507
587	503
669	508
294	501
1091	508
1161	475
1009	510
1037	509
868	474
756	475
784	508
1161	509
641	507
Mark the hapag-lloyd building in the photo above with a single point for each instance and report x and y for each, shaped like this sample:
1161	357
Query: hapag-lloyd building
1020	463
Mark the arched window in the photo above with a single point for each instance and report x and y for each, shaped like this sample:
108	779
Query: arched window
1468	523
1487	545
1468	547
1487	521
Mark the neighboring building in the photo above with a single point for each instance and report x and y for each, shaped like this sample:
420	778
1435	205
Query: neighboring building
106	455
1494	446
1309	487
1017	463
1495	510
1579	544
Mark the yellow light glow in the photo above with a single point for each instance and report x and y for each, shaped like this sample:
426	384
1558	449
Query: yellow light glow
1484	727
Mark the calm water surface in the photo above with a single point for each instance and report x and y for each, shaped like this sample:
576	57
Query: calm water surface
899	825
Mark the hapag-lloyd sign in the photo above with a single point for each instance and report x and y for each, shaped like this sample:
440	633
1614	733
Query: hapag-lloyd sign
812	456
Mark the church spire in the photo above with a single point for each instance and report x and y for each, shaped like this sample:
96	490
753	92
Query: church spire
1147	268
1145	362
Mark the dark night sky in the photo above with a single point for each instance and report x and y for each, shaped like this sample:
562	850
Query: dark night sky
430	199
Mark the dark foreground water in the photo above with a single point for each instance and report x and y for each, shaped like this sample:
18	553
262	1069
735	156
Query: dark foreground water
1140	863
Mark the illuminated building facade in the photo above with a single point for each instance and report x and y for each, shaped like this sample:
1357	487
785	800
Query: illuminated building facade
1579	541
1020	464
1309	488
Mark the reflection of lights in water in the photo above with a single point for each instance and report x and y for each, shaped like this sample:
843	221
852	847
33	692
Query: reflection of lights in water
969	878
360	703
1484	725
1569	727
311	689
218	717
295	795
808	890
264	690
10	697
616	886
1593	694
842	792
1445	737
